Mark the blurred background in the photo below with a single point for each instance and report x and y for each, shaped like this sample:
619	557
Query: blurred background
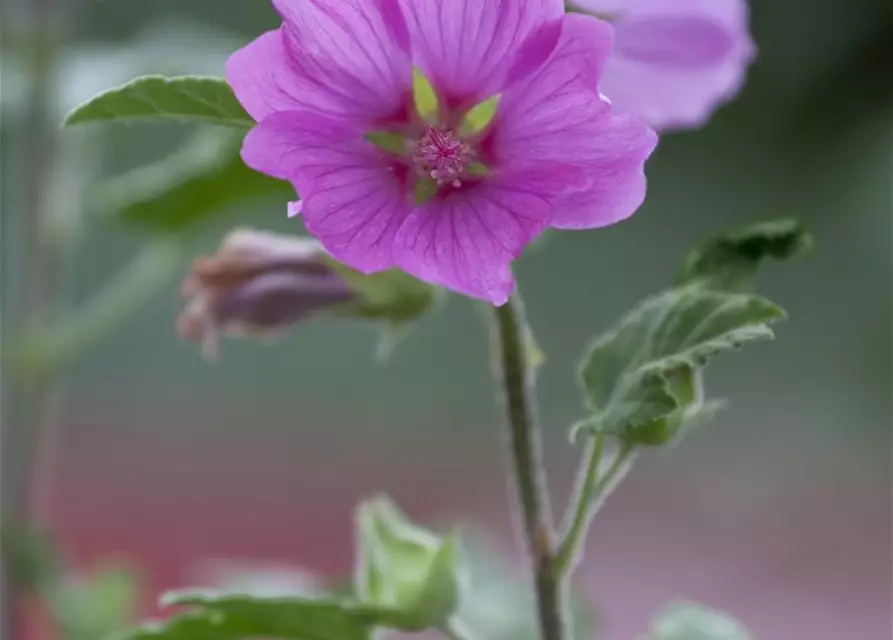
779	512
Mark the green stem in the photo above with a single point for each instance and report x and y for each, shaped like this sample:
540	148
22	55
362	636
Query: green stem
28	292
516	375
591	492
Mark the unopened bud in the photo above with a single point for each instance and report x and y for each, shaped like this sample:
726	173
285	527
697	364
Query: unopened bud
258	283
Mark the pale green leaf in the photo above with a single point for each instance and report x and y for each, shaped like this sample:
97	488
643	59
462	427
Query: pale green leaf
392	295
407	577
206	178
424	96
641	379
729	260
695	622
480	116
185	98
290	617
96	604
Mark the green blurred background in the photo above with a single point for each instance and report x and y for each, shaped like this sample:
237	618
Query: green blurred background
779	512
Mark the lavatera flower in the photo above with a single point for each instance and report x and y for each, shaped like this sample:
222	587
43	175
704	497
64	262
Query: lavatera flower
675	61
440	136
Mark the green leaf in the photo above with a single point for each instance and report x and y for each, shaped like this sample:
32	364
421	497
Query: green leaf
186	98
279	617
32	558
392	295
424	96
96	604
204	179
480	116
641	379
189	626
407	578
730	260
695	622
388	141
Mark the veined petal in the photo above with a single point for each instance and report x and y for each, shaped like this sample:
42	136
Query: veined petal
615	176
467	240
473	49
557	117
262	78
353	198
347	58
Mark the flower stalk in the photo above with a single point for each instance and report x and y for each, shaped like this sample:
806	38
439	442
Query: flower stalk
593	488
515	374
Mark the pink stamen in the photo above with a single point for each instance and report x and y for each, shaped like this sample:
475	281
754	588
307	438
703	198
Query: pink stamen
442	156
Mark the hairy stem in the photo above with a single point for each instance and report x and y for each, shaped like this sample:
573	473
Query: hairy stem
590	494
516	376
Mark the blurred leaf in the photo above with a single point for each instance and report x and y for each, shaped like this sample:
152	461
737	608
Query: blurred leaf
279	617
641	379
84	606
695	622
393	297
389	295
187	98
260	578
32	556
183	627
729	260
190	187
407	578
96	604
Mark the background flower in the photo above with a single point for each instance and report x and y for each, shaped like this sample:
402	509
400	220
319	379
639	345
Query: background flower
675	62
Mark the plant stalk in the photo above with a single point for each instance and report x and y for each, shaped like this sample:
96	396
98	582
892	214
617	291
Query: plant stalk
28	298
592	489
516	374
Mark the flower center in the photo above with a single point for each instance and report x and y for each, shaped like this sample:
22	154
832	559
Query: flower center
442	156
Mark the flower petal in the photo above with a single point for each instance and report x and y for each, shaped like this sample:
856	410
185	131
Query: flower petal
546	118
676	62
261	77
472	49
353	197
467	240
615	176
348	58
556	118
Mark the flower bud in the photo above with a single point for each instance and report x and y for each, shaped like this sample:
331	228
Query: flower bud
258	283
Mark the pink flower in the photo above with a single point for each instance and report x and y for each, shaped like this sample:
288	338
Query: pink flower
381	114
675	61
